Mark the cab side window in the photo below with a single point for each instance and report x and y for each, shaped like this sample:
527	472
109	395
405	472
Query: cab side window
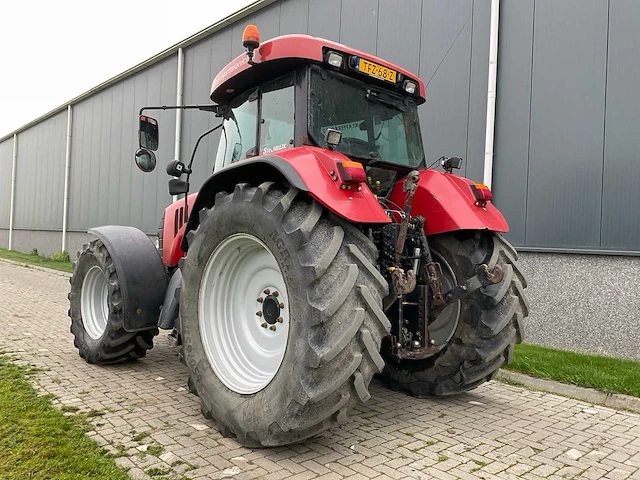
277	115
238	138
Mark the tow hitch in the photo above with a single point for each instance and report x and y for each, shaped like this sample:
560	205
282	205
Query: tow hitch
428	310
484	277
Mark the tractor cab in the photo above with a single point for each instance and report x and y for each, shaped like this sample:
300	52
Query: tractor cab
298	90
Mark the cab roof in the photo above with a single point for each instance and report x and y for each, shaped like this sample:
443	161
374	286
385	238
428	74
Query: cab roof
282	54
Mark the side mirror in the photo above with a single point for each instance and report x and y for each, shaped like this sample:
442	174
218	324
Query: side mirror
148	133
145	160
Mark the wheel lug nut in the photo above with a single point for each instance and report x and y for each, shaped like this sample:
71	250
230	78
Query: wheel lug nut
279	319
260	300
281	305
266	291
259	313
264	325
272	327
276	293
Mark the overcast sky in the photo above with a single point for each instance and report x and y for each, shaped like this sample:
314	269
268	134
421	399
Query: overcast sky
52	51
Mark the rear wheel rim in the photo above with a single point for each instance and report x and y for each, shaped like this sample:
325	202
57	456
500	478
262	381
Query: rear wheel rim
94	302
243	313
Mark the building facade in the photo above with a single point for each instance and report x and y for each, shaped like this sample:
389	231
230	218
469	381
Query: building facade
566	162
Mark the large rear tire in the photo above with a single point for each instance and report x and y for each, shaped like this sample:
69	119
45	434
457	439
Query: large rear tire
97	317
490	322
317	361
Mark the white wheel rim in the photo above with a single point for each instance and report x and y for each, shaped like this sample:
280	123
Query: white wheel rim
94	302
244	353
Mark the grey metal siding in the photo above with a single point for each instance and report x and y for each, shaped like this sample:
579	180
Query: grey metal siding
322	19
106	187
6	160
399	33
294	16
478	84
202	61
620	192
40	175
445	59
567	123
567	164
359	24
513	112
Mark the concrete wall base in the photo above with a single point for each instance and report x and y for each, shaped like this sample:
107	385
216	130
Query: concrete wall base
583	303
45	241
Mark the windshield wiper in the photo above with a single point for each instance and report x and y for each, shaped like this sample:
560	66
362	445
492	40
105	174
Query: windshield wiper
375	98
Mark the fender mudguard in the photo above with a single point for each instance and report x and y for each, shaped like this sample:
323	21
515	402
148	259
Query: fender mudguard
447	202
309	169
143	280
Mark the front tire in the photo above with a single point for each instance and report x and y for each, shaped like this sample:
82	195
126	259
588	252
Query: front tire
331	296
490	322
95	309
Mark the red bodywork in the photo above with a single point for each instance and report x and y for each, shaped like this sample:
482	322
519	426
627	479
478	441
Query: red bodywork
445	200
296	47
175	221
314	166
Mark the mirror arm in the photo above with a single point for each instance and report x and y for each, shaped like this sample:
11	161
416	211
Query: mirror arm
219	110
193	155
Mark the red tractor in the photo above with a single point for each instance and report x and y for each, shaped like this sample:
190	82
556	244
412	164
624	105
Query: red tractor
320	252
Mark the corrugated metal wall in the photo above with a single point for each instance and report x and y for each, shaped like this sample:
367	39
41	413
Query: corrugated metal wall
40	175
6	157
106	186
567	149
566	158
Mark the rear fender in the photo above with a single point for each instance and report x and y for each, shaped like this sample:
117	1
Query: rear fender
447	202
143	280
306	168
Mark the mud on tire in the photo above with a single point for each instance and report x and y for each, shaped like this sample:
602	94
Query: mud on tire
115	345
490	323
336	321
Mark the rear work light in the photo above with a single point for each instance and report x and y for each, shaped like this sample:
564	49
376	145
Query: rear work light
410	87
351	172
334	59
482	194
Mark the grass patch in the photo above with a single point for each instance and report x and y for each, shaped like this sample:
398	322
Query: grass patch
140	436
156	472
57	261
39	442
155	449
603	373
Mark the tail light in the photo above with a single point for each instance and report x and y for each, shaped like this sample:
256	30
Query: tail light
482	194
352	172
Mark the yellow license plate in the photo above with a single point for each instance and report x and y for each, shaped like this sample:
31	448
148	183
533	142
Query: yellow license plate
375	70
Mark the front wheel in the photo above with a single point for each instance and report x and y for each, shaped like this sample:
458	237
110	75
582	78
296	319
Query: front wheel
281	315
489	321
96	311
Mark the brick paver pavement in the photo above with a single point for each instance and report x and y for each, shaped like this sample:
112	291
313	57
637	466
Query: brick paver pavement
143	412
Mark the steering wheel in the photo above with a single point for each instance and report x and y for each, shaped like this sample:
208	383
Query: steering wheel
359	147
